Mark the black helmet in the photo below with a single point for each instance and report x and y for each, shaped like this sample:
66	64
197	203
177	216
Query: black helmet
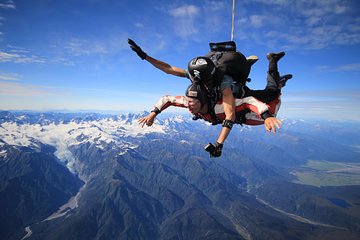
197	91
201	69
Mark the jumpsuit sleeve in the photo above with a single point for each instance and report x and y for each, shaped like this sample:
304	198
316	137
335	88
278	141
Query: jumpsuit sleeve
257	117
167	101
250	103
253	104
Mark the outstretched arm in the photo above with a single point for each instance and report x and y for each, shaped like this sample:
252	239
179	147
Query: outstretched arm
266	111
163	103
261	113
163	66
271	123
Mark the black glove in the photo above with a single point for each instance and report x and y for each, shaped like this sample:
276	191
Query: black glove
137	49
214	149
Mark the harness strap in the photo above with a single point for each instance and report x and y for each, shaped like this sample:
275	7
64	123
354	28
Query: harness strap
211	105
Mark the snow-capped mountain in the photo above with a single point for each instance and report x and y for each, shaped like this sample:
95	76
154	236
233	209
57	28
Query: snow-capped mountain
63	131
94	176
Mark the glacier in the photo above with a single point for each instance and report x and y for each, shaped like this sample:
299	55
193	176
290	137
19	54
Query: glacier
101	131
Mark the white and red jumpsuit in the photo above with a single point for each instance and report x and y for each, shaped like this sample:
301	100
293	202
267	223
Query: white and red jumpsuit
254	116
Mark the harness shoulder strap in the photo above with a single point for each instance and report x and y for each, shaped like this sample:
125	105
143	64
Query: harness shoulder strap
211	105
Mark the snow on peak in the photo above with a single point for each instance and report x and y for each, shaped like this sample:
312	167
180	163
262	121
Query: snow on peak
3	153
97	130
178	119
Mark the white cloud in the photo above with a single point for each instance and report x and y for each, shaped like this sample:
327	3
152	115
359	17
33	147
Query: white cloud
20	58
354	67
340	9
350	67
257	21
216	5
5	76
22	90
15	54
185	20
139	25
8	5
84	47
19	96
335	105
101	46
184	11
311	21
311	24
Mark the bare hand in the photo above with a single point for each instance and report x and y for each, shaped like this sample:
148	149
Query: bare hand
272	123
148	120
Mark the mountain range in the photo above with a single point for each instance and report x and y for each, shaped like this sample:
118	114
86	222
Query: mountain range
96	176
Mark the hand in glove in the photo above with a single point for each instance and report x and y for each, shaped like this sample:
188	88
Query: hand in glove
214	149
137	49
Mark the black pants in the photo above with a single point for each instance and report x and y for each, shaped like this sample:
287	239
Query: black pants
271	92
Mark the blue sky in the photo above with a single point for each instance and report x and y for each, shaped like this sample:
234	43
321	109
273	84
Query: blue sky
73	54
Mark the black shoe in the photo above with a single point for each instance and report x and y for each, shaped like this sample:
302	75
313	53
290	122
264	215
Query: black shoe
283	80
275	56
252	59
